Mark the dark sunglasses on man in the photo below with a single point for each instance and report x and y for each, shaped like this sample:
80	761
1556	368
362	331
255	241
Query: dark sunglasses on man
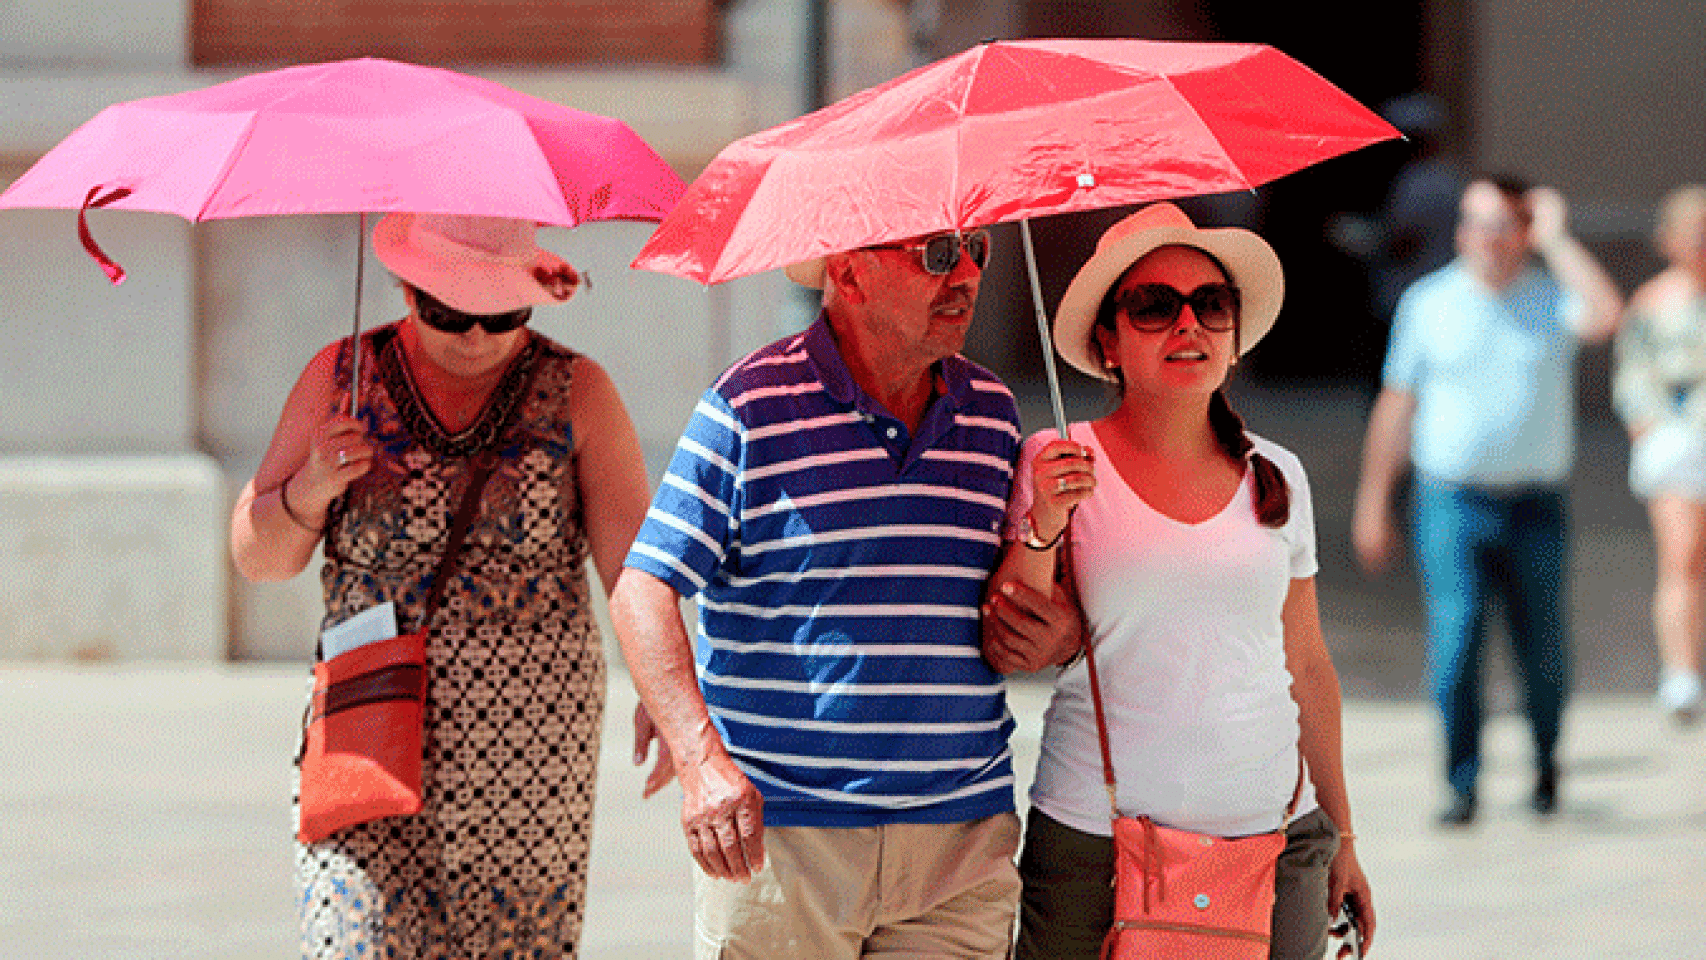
940	254
1155	307
453	321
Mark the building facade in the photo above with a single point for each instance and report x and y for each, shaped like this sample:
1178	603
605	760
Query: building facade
129	416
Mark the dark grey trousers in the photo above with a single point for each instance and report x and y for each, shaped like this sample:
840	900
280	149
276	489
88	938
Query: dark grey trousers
1068	900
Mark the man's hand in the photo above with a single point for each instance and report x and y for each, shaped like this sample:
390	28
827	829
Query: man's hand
1024	631
1373	538
644	733
1549	218
722	814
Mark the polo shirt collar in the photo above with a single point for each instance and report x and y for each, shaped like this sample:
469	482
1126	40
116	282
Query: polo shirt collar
952	373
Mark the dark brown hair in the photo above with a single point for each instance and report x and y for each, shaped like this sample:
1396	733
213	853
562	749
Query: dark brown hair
1272	494
1514	189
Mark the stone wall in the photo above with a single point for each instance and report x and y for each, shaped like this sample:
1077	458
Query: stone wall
112	558
131	416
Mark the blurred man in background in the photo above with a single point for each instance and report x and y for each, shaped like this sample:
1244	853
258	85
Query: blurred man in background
1478	394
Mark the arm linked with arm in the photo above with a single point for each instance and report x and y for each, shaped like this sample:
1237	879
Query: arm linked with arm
1030	621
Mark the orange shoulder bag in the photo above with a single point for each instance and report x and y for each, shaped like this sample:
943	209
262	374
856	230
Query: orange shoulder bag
1184	894
361	752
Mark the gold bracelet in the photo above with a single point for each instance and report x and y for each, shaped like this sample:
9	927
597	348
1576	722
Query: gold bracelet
284	501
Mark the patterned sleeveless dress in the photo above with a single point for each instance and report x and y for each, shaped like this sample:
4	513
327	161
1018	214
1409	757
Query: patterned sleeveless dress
495	863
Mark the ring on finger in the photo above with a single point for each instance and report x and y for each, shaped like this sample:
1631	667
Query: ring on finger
343	458
1061	485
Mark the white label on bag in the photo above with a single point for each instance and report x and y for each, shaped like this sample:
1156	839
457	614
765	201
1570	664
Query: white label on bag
369	626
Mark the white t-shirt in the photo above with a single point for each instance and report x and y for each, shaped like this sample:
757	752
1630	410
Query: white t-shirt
1185	619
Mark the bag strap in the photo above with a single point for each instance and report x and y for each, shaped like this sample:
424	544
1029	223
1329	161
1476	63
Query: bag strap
479	470
1102	718
1096	702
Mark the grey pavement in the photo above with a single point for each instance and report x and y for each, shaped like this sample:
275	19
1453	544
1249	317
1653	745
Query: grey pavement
145	814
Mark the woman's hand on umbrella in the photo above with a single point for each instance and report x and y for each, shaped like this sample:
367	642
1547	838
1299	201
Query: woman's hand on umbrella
1064	476
338	454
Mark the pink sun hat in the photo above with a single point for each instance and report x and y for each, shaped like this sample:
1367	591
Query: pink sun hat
479	265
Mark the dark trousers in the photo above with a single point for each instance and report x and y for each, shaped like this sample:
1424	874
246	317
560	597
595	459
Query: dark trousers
1068	901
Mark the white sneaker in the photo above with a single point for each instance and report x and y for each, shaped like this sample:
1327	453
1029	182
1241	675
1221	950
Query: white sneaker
1680	695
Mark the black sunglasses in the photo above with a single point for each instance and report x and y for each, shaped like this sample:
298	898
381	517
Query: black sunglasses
451	320
941	254
1155	307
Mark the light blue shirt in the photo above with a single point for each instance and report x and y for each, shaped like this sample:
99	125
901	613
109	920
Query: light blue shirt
1493	373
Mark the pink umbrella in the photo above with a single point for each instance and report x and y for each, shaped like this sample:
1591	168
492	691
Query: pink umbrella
353	136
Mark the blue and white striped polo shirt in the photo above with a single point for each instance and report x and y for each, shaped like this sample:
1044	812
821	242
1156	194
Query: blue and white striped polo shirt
839	565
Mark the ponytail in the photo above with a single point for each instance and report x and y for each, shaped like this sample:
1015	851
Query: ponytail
1272	495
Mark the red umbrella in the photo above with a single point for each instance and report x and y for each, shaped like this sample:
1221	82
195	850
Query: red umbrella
1008	131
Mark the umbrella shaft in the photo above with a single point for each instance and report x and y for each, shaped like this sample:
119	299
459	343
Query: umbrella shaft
1043	330
355	340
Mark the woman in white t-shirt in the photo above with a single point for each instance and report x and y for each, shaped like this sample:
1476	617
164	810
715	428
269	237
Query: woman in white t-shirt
1193	556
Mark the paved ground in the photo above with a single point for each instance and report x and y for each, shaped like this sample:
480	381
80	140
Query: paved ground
145	816
144	811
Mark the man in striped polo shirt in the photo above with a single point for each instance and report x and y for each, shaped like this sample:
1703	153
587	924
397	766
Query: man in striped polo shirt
835	506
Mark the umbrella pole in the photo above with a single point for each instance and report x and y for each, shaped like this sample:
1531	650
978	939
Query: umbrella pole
355	340
1043	330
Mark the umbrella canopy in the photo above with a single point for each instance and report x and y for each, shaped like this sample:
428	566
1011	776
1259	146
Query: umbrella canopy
353	136
1007	131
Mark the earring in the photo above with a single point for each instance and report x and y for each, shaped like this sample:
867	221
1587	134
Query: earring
1110	365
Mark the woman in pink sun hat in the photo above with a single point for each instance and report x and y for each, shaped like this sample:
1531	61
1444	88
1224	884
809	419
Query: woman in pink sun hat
495	862
1192	552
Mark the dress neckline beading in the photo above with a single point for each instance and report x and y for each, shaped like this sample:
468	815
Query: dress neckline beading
484	433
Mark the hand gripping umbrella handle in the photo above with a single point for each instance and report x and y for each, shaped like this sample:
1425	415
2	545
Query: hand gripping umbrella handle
1043	330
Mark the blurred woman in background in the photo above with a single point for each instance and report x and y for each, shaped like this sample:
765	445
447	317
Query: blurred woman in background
1659	372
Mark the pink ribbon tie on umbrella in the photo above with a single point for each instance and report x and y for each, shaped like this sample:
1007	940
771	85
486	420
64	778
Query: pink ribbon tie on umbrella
114	272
